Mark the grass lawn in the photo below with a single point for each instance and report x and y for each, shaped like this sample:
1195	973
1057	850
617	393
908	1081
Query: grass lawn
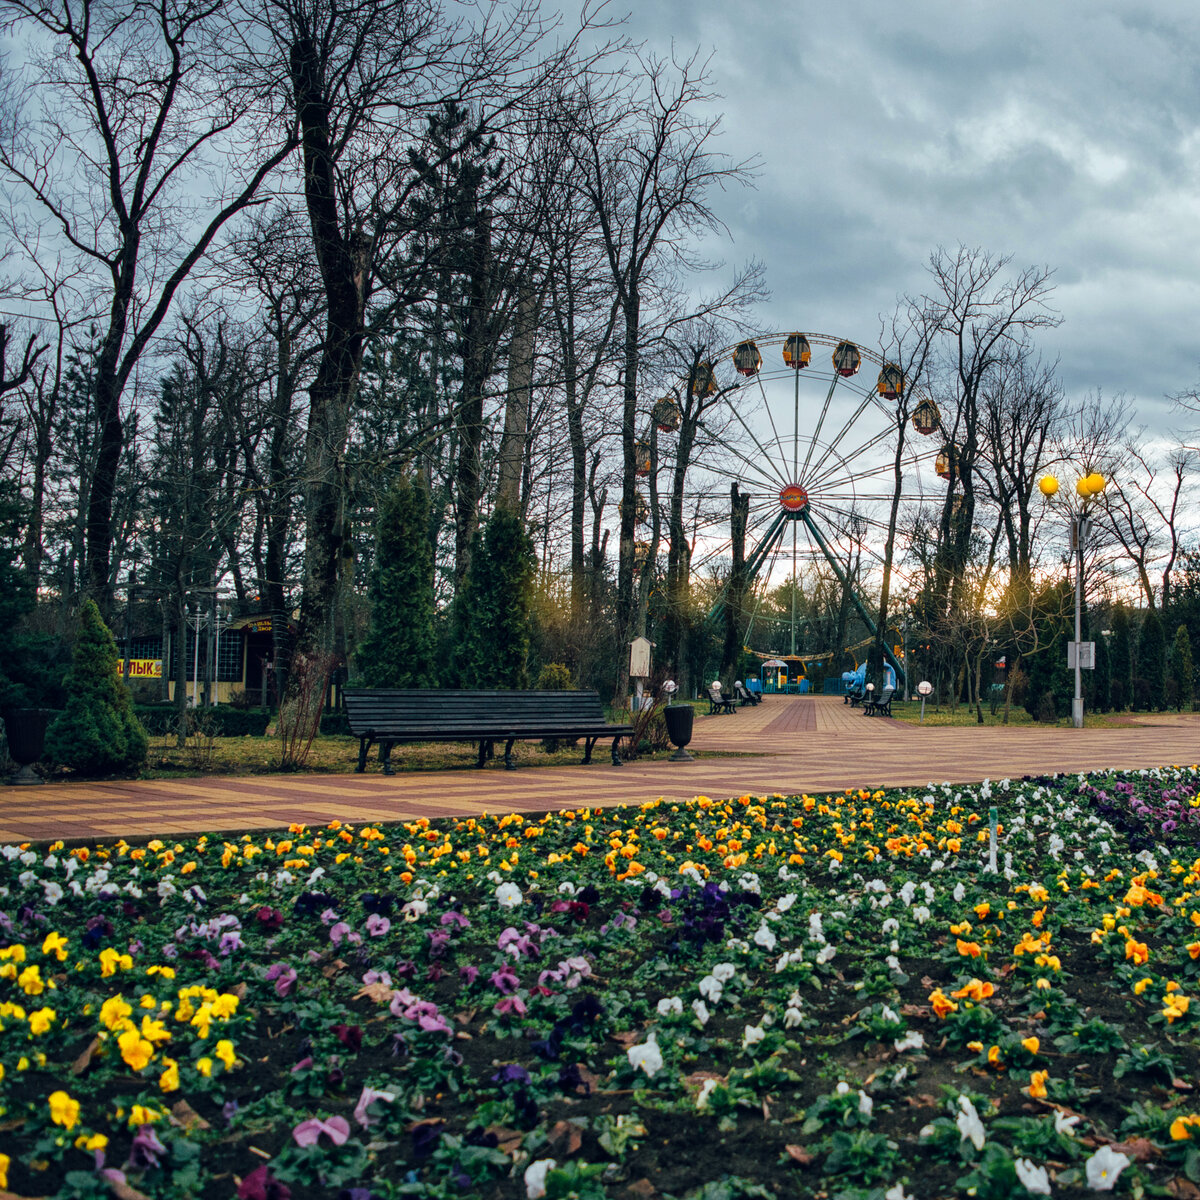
723	999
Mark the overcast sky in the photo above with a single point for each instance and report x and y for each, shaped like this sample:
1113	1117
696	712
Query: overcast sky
1066	134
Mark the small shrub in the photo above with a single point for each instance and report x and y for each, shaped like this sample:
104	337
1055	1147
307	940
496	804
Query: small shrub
1047	713
554	677
97	733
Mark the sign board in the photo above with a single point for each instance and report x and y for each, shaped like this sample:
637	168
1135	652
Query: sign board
924	688
1087	655
639	658
141	668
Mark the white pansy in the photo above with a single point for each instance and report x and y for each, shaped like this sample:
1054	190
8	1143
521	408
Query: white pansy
50	861
752	1034
960	893
913	1040
785	902
865	1103
566	888
710	988
1065	1124
706	1090
765	938
897	1192
1104	1168
535	1177
907	892
54	892
28	858
1035	1179
508	895
842	1089
827	954
890	926
921	914
701	1011
668	1005
969	1124
792	1017
646	1057
724	972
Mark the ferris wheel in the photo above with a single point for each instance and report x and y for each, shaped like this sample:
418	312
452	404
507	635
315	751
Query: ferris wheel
809	426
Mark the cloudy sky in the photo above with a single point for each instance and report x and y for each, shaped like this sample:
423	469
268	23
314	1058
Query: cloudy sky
1063	133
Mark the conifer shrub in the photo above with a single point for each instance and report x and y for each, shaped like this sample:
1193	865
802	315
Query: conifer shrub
97	732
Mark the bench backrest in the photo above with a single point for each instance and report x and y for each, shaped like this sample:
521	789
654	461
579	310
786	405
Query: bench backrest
394	709
740	689
714	690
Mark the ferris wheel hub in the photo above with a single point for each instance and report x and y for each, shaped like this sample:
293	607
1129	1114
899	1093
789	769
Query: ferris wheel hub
793	498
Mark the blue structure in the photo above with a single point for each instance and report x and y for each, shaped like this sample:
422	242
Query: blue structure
856	680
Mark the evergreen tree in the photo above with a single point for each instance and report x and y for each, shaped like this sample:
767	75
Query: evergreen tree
1182	668
1122	665
1152	662
1102	676
1049	685
399	650
97	732
496	606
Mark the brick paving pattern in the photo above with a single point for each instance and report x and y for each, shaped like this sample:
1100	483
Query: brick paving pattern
787	744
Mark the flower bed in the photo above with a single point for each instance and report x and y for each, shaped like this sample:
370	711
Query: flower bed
805	995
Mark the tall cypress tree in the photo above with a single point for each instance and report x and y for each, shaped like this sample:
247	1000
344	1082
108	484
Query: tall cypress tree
399	650
1182	670
1122	665
496	606
1152	661
97	733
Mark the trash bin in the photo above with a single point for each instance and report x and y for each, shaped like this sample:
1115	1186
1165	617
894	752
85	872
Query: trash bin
680	719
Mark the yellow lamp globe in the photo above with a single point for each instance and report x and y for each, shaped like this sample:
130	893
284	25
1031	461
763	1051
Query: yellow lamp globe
1084	487
1048	485
1096	482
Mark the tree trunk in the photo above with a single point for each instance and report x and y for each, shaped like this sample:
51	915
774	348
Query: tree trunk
515	441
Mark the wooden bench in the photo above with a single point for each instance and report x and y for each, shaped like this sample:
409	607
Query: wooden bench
881	707
718	702
394	715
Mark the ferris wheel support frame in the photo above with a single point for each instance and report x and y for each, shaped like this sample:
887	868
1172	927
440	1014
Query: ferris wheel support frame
844	580
773	536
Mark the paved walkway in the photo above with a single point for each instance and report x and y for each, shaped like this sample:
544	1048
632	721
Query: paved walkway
799	744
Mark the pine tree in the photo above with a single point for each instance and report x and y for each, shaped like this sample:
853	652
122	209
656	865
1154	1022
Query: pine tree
97	733
1152	662
400	649
1182	670
1122	666
496	606
1102	676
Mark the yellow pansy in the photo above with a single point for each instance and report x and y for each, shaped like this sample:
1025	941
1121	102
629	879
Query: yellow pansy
204	1066
55	944
1031	1044
169	1079
135	1049
63	1110
41	1020
30	981
140	1115
224	1051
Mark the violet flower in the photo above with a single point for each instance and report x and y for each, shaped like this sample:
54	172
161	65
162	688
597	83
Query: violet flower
377	925
510	1004
505	981
145	1150
468	974
260	1184
370	1096
308	1133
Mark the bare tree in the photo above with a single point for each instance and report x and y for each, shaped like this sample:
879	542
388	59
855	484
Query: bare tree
136	148
647	165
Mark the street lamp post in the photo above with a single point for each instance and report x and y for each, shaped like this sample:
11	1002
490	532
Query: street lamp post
1088	490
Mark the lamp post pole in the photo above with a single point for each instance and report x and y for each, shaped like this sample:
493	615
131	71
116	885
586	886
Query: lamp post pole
1088	490
1080	531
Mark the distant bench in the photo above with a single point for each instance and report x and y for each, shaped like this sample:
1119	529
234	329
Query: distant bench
393	715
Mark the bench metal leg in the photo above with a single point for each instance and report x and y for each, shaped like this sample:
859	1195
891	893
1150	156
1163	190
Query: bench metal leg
587	754
616	758
385	757
483	753
364	748
509	765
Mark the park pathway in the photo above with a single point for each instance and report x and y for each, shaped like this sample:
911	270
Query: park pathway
786	745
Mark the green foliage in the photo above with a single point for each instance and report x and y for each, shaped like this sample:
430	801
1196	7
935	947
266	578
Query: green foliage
1102	676
1151	679
97	733
1181	679
1049	685
161	720
1122	659
554	677
492	617
399	650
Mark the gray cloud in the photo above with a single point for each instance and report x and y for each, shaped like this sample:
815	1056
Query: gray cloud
1063	134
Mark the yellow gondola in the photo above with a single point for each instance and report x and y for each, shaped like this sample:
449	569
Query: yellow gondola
891	382
747	359
797	353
